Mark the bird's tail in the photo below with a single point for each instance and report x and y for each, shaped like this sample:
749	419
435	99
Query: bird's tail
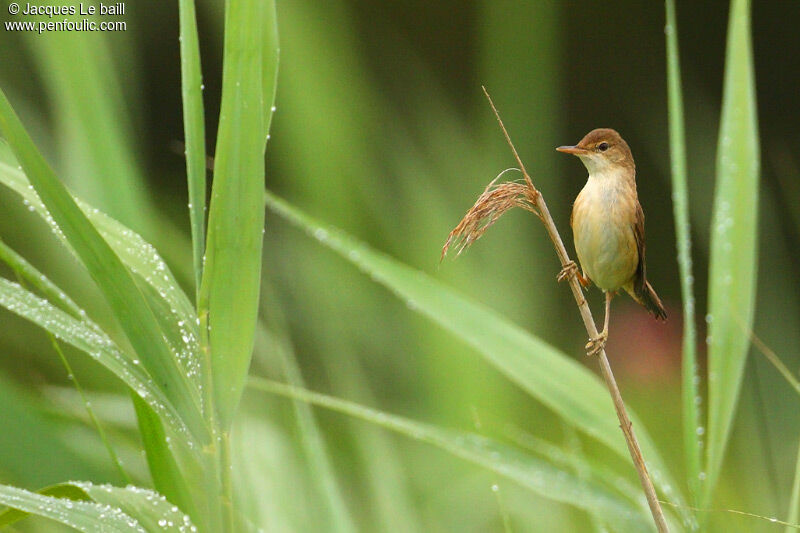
648	298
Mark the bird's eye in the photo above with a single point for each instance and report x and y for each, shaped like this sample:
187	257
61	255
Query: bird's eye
602	146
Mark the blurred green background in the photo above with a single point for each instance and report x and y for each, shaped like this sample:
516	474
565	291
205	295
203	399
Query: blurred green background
381	129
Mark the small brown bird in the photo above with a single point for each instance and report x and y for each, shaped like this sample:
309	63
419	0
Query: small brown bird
608	226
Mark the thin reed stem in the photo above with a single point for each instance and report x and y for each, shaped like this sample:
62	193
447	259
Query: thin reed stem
591	329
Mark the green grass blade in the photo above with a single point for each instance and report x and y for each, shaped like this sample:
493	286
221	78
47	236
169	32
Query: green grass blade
793	516
270	61
194	132
85	516
109	273
541	370
32	275
230	288
148	508
692	442
168	478
64	491
733	260
539	476
312	440
94	123
27	273
171	306
139	509
88	338
138	255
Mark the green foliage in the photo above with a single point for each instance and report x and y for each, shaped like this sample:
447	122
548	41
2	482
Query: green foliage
383	149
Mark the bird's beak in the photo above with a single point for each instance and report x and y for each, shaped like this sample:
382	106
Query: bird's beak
574	150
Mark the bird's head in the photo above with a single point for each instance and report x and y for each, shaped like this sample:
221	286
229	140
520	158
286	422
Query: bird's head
602	150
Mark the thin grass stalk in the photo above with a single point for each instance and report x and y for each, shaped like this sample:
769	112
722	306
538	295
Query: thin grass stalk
588	321
793	515
692	441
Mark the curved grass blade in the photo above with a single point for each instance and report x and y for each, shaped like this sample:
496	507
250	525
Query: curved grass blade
541	370
137	254
85	516
311	436
88	338
63	491
27	273
692	441
534	474
109	273
230	287
733	260
148	508
32	275
138	509
194	133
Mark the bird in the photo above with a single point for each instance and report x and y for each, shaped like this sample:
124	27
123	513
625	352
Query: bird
608	227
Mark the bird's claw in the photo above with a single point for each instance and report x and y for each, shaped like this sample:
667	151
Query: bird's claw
568	270
596	344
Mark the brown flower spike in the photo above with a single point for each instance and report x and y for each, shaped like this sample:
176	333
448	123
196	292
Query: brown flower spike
490	206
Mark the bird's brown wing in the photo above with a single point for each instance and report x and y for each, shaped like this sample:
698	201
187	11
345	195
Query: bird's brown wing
640	277
643	291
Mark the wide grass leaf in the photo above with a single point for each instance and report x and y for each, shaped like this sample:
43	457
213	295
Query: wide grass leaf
537	475
228	304
544	372
733	260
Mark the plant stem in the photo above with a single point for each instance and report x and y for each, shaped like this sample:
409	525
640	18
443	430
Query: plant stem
586	314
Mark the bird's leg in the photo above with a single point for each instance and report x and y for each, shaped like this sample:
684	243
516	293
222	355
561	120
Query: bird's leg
570	269
596	344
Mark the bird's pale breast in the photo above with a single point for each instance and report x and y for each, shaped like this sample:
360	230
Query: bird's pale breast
602	225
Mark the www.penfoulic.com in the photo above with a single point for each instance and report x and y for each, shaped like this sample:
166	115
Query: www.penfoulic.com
47	13
63	25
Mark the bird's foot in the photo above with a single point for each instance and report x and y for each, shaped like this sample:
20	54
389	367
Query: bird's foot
568	270
596	344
